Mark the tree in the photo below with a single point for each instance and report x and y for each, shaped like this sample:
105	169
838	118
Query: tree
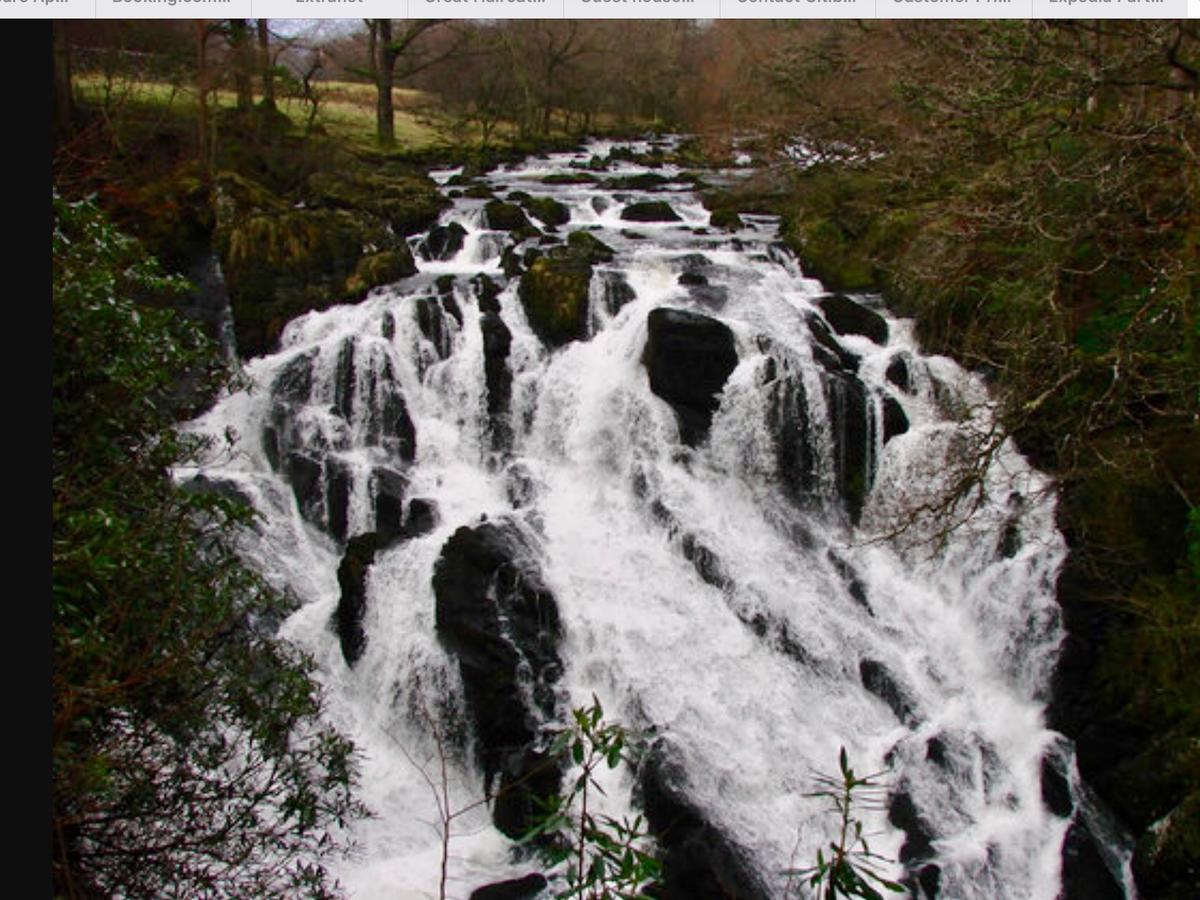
188	753
387	50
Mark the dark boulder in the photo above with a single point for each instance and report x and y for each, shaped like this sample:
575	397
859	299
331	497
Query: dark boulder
898	372
547	210
1085	875
442	242
699	862
692	279
501	216
352	602
788	422
849	317
486	293
428	311
726	219
846	399
615	291
878	680
388	488
422	518
688	357
554	292
514	889
895	422
495	615
643	181
339	481
590	247
1056	786
918	833
304	475
497	342
384	267
526	777
828	352
388	423
650	211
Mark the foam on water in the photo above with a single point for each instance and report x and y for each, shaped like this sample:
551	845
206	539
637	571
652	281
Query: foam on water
966	632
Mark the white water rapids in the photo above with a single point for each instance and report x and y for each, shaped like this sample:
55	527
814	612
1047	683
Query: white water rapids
966	631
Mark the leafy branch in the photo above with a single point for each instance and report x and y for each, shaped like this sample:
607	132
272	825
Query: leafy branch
851	866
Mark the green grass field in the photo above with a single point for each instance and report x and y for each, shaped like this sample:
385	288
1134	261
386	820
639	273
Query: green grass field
345	110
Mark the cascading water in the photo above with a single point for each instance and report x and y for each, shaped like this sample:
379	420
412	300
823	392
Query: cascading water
675	512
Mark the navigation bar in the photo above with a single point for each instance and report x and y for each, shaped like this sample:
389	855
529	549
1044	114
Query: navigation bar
602	9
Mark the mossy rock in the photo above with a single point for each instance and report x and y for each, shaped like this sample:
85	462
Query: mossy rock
479	192
238	197
547	210
386	267
643	181
554	292
727	219
171	215
650	211
501	216
827	254
407	203
280	261
590	247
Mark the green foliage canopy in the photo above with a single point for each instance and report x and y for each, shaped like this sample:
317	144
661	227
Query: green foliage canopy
188	756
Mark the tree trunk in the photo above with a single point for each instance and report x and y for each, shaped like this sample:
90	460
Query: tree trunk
385	116
64	97
265	66
239	41
203	123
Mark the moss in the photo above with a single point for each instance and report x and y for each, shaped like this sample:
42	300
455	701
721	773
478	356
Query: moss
726	218
407	203
378	269
547	210
280	261
502	216
590	246
554	292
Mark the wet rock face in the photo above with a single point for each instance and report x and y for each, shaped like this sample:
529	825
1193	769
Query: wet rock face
495	615
788	421
689	357
514	889
443	242
501	216
699	861
848	317
879	680
895	422
497	342
1084	873
650	211
847	402
554	292
352	602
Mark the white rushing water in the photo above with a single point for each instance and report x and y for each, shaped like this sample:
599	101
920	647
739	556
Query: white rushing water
961	631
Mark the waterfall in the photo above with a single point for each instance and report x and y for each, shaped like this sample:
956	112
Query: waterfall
704	511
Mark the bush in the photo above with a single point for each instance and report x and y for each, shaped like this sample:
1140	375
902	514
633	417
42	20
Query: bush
187	752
